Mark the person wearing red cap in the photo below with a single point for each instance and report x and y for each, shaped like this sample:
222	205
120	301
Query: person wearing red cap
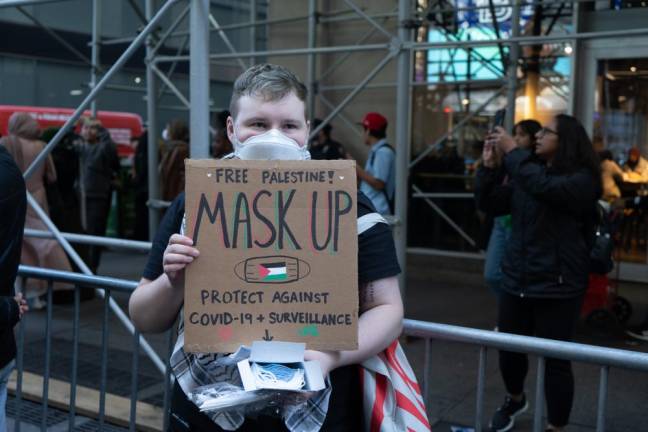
636	167
377	179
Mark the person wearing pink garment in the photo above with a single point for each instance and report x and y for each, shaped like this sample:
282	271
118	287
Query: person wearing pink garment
24	145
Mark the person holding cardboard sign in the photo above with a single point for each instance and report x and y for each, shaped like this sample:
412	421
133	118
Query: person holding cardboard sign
268	121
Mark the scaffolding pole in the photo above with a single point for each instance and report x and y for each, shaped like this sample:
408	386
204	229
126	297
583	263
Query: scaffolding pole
286	52
96	30
152	127
575	60
514	55
311	72
13	3
199	79
253	29
495	83
403	107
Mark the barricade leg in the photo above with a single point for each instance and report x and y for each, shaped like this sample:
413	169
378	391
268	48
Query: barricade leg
75	358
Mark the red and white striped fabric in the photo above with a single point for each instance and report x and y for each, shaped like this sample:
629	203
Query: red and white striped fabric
392	398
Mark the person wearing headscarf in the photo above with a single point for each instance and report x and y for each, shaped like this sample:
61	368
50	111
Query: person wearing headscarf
24	145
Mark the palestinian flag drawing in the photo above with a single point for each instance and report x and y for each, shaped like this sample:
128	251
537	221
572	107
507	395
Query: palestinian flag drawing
272	271
278	269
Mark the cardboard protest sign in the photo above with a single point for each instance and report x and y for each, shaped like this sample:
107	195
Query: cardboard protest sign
278	254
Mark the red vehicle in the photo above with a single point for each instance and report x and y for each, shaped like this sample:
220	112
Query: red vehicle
122	126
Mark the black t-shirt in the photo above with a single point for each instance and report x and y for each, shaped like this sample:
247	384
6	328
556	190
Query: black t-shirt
376	260
376	252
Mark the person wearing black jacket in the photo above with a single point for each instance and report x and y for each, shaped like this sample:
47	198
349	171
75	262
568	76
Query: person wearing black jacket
99	167
13	207
551	196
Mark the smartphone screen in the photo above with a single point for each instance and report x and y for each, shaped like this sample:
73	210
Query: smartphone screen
500	116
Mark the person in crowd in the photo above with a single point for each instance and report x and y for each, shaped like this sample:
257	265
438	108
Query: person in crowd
172	171
65	209
611	176
13	206
99	168
378	178
551	196
271	98
64	203
140	176
524	135
323	147
636	167
24	145
221	145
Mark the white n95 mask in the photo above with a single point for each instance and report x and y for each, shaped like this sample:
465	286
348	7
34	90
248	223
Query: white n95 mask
271	145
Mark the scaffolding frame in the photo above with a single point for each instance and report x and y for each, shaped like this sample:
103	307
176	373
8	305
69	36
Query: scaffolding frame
399	47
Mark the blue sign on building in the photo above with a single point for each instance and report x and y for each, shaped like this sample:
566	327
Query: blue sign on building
477	12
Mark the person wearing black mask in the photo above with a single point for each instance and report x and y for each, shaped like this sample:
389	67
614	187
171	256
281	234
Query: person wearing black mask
551	196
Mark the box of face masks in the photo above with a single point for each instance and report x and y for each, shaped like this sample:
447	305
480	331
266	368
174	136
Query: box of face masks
280	366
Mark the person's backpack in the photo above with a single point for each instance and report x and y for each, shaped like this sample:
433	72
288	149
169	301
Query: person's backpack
390	201
601	242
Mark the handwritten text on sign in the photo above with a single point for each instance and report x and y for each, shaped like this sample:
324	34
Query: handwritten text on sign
278	254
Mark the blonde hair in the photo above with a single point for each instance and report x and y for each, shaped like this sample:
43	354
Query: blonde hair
268	81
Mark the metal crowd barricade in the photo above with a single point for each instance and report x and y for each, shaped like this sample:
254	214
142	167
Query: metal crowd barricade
484	339
133	245
543	348
81	281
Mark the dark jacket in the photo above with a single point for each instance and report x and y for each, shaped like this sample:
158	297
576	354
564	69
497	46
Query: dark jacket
330	150
552	217
13	205
172	170
100	164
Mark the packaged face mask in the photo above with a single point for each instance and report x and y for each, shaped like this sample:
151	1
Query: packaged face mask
271	145
278	376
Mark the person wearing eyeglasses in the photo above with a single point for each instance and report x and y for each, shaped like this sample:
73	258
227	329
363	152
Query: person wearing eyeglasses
551	196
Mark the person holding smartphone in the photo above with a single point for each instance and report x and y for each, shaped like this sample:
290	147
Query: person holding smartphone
524	136
551	195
